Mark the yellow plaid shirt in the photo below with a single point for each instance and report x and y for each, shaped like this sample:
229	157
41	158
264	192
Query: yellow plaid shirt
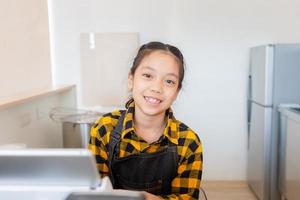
186	184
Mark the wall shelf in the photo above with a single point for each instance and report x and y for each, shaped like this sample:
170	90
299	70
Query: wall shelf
21	98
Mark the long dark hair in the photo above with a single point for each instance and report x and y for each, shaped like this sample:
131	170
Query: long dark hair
150	47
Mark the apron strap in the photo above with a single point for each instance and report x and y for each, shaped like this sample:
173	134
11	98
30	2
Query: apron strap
115	137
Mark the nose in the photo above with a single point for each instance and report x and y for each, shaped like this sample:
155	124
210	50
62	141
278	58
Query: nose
156	87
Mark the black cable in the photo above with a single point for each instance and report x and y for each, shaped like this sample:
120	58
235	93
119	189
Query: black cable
204	193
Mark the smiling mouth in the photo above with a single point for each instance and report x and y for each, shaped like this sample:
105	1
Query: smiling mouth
152	100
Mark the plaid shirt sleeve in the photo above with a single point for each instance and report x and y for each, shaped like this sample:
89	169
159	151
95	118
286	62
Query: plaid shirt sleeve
187	183
99	142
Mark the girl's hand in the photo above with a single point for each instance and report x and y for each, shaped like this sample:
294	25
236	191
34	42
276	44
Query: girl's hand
149	196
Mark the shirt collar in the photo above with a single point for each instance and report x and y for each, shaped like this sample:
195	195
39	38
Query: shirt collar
170	132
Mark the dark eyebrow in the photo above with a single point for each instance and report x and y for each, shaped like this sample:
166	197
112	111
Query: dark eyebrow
148	67
169	74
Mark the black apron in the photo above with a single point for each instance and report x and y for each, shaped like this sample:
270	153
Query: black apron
150	172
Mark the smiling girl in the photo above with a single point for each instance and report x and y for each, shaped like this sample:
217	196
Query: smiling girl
144	147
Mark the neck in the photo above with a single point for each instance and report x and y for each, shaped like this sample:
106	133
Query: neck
149	122
150	128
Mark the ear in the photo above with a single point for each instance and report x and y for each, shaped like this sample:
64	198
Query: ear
130	81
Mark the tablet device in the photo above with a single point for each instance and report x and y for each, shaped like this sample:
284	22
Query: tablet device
48	167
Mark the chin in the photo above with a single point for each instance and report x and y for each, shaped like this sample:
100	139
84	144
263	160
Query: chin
153	112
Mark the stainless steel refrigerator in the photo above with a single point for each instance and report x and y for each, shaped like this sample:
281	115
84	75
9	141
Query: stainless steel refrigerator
274	78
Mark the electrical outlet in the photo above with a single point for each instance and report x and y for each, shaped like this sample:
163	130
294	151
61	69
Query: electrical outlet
41	113
24	119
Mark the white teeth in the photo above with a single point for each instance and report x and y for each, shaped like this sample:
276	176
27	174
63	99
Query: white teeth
152	100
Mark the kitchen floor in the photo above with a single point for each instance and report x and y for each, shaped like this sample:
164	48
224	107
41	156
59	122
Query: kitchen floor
226	190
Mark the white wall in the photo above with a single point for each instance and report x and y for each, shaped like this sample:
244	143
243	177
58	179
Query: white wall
28	121
215	37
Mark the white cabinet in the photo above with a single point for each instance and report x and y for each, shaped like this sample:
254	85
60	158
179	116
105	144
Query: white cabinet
289	176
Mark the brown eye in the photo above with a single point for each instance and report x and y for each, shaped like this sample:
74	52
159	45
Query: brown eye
170	82
147	75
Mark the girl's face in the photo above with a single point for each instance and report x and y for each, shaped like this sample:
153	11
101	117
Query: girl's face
154	84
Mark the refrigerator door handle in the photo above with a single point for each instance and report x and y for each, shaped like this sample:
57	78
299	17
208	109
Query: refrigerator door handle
249	107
